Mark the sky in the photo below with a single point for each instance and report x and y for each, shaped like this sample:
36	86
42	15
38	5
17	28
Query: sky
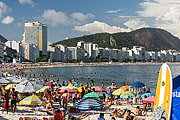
74	18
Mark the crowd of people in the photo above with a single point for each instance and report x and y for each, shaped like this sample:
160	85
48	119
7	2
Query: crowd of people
53	94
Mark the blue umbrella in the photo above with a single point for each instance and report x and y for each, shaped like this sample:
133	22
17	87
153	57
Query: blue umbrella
89	104
147	95
138	84
175	104
176	82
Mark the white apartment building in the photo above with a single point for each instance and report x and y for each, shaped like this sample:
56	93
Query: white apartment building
89	49
62	53
139	52
16	45
75	53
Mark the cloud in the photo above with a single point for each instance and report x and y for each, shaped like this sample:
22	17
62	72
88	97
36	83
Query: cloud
166	14
113	11
19	24
121	16
7	20
3	9
98	27
30	2
135	23
82	17
54	18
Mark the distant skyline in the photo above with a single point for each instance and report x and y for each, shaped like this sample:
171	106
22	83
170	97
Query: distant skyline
73	18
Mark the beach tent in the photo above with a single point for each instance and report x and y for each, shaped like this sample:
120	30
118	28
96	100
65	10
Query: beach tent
89	104
32	100
147	95
93	95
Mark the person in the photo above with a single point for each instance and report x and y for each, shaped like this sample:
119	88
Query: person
102	85
119	113
65	99
113	118
6	101
138	112
108	91
82	92
144	106
13	95
101	116
112	83
49	107
127	115
70	117
148	90
123	83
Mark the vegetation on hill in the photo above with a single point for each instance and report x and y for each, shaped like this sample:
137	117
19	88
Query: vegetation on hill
151	38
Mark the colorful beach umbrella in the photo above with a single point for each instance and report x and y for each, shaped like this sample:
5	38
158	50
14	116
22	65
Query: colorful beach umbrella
147	95
49	83
80	88
72	87
68	89
112	87
43	89
32	100
149	99
93	95
126	88
62	87
98	89
89	104
127	94
118	92
10	86
138	84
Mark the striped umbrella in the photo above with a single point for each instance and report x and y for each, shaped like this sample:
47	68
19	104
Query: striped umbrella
43	89
147	95
98	89
72	87
32	100
89	104
126	88
149	99
69	90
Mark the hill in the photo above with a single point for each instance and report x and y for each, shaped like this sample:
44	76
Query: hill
151	38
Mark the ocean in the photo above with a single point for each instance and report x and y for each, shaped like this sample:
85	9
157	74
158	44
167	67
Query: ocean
118	74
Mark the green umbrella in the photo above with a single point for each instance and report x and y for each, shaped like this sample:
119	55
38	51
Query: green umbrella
93	95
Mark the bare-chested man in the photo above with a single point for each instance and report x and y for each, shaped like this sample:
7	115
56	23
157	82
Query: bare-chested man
13	100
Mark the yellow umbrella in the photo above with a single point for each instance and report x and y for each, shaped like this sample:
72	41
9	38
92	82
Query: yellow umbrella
72	87
43	89
32	100
118	92
10	86
80	88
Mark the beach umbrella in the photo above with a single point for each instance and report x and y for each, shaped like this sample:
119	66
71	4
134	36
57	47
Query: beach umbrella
72	87
126	88
10	86
138	84
49	83
29	86
93	95
6	81
98	89
112	87
89	104
62	87
147	95
16	79
80	88
68	89
43	89
149	99
118	92
32	100
127	94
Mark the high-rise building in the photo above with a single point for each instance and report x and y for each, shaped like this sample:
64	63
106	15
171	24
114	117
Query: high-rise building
1	52
36	33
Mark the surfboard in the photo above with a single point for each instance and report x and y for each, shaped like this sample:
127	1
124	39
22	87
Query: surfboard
163	99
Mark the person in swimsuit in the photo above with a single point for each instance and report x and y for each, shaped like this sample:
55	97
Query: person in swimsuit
13	95
6	101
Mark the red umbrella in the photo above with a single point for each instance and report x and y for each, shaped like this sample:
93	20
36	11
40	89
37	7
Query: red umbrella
69	90
149	99
98	89
112	87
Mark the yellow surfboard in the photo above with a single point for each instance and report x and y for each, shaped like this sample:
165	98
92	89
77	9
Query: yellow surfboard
163	99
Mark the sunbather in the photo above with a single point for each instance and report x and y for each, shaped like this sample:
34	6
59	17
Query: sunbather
119	113
70	117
